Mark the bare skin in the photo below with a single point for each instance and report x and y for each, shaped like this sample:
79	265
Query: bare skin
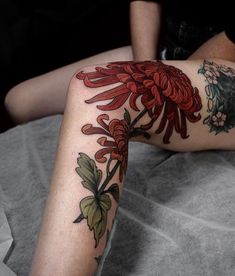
218	46
32	99
85	186
174	105
145	29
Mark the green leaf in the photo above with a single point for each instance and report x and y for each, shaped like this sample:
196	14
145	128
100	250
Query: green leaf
90	211
215	90
220	86
114	191
127	116
201	71
95	210
213	128
89	172
221	108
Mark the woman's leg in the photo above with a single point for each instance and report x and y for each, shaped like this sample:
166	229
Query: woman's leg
176	105
45	95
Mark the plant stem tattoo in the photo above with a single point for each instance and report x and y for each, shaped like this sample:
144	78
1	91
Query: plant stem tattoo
220	92
164	91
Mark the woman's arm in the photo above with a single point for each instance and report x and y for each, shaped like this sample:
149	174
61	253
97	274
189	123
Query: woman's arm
178	105
145	19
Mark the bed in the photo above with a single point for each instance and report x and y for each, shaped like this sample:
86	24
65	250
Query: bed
176	215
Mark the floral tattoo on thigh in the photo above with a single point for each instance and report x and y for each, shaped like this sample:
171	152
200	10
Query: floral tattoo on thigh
220	91
165	95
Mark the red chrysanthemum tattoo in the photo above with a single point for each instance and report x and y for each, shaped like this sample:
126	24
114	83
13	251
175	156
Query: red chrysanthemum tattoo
163	89
117	147
165	93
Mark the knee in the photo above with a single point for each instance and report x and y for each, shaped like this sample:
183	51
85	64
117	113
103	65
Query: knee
15	104
89	101
87	92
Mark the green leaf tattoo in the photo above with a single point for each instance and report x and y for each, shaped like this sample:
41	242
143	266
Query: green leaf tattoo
164	92
127	116
95	209
99	258
220	91
88	171
114	191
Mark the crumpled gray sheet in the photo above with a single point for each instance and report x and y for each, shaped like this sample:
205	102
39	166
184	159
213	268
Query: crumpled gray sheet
176	216
5	244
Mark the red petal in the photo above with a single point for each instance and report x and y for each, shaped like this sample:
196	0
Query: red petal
113	124
163	122
124	77
177	120
132	87
176	96
107	71
157	112
148	83
105	143
88	129
116	103
117	156
148	101
109	94
127	68
100	120
156	78
156	95
100	82
138	77
133	99
168	91
164	81
99	156
188	105
183	131
91	75
168	133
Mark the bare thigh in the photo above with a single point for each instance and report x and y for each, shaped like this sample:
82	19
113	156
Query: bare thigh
45	95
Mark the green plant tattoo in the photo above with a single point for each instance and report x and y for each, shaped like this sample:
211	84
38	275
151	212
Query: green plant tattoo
220	92
95	208
165	93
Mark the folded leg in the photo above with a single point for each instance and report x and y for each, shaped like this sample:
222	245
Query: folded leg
175	105
45	95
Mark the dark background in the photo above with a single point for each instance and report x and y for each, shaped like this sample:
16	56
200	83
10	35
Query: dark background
39	36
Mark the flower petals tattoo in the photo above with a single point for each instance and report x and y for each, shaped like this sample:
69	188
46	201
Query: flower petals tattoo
163	90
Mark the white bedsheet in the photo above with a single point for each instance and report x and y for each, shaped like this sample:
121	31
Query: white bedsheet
176	215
